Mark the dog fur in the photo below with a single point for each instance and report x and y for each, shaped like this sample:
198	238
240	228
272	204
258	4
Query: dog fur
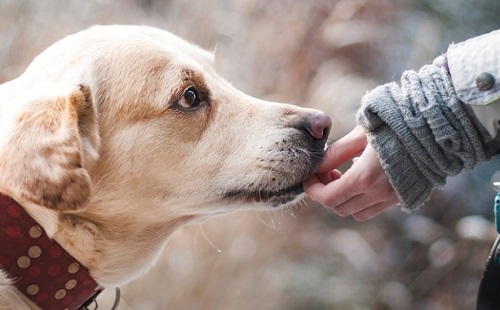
102	144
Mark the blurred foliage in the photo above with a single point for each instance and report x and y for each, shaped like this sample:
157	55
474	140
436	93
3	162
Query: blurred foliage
318	53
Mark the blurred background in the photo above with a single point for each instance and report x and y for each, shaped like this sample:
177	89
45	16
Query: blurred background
318	53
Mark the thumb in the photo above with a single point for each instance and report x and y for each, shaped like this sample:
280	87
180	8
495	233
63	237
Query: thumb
343	150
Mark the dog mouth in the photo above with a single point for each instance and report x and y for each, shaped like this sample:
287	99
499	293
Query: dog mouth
275	197
283	175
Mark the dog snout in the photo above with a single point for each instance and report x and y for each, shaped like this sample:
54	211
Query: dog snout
318	125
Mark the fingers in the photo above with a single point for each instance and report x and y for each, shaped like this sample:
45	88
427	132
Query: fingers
361	207
330	176
343	150
363	191
365	206
373	211
329	194
317	182
365	176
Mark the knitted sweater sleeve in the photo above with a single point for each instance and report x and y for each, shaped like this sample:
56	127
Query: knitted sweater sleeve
421	132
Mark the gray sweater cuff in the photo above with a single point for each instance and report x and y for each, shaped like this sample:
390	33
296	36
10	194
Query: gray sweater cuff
421	133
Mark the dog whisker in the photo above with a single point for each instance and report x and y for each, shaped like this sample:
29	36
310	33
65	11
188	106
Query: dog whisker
290	211
272	225
210	242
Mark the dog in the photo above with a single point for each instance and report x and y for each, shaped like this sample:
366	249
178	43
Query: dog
116	136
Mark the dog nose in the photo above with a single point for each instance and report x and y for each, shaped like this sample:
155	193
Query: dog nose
319	126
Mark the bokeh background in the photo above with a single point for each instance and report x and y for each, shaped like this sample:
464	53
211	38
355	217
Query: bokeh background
318	53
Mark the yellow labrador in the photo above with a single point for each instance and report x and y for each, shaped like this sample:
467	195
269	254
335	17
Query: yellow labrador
116	136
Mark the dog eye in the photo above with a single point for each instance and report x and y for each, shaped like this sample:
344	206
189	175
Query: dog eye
190	99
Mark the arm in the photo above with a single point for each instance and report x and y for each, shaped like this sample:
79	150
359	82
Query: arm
422	131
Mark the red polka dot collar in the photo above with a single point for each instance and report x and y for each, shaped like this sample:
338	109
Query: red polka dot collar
42	270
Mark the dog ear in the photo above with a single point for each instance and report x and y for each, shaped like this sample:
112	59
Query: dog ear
51	150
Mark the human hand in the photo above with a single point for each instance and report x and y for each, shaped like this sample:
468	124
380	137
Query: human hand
363	191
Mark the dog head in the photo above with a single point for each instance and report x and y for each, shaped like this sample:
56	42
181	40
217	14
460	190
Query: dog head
140	115
115	136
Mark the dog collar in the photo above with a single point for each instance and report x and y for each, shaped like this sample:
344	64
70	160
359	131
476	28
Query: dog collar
40	268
